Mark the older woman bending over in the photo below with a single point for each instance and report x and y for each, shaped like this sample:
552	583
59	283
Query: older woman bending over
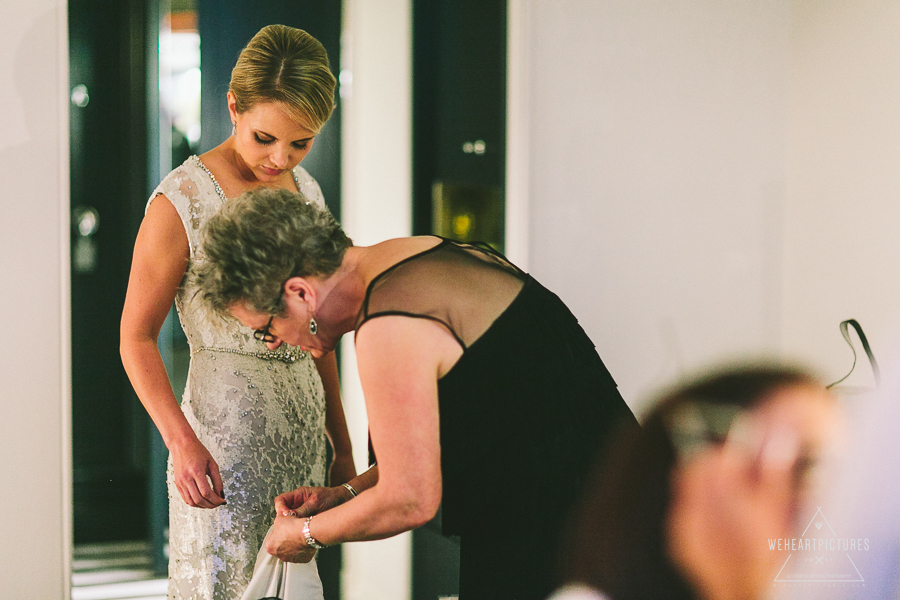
482	390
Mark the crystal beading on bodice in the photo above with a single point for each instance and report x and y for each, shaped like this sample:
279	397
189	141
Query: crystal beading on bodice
284	353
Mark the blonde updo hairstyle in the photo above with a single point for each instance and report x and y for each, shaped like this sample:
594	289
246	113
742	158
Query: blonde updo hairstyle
285	65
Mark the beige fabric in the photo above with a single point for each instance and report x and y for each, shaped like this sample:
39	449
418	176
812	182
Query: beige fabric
273	578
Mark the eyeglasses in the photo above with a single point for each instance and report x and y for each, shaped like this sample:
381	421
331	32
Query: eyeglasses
263	334
694	426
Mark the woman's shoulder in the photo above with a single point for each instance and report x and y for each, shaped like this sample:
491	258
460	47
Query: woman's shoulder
188	187
302	174
191	168
391	255
308	185
185	178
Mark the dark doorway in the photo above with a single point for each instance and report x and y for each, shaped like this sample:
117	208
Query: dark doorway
459	159
459	118
108	140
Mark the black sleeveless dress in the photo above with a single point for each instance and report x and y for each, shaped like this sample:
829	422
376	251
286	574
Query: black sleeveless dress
523	413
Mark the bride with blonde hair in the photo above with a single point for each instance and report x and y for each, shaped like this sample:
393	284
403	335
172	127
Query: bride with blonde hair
252	422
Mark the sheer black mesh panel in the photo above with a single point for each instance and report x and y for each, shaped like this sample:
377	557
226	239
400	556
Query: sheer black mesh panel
463	287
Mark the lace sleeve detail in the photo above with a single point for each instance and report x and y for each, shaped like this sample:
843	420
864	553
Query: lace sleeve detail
184	189
308	186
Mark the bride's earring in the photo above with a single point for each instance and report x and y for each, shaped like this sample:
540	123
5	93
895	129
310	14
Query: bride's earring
233	132
313	326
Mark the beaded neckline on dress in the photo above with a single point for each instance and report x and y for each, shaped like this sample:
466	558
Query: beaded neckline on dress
216	185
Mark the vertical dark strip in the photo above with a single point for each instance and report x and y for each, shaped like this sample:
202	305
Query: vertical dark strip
108	138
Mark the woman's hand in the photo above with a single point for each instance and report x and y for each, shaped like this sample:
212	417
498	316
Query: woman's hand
309	501
192	464
285	541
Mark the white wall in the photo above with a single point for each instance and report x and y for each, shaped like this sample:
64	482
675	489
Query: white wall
843	192
707	180
35	500
657	173
376	205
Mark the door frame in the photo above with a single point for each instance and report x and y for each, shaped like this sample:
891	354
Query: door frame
518	172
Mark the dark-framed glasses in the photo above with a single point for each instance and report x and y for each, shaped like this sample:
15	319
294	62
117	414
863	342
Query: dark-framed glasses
694	426
263	334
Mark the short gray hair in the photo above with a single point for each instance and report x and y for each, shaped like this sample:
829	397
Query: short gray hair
259	240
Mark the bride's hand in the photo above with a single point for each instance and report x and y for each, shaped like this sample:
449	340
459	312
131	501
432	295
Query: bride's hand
194	468
285	541
308	501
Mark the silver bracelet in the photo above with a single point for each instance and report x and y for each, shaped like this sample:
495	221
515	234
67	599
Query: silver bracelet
308	538
350	489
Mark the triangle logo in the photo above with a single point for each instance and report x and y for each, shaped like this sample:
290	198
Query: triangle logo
819	555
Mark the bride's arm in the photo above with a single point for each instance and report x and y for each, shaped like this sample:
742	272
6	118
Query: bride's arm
160	259
400	360
342	468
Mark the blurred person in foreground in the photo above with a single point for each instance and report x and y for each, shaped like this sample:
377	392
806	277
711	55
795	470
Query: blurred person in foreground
684	509
483	393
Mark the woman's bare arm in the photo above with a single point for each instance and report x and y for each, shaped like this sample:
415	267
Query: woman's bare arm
400	360
160	260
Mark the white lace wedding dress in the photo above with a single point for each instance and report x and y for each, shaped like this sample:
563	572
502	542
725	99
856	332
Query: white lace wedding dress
260	413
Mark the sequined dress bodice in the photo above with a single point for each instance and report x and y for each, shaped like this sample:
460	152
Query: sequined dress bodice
261	415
